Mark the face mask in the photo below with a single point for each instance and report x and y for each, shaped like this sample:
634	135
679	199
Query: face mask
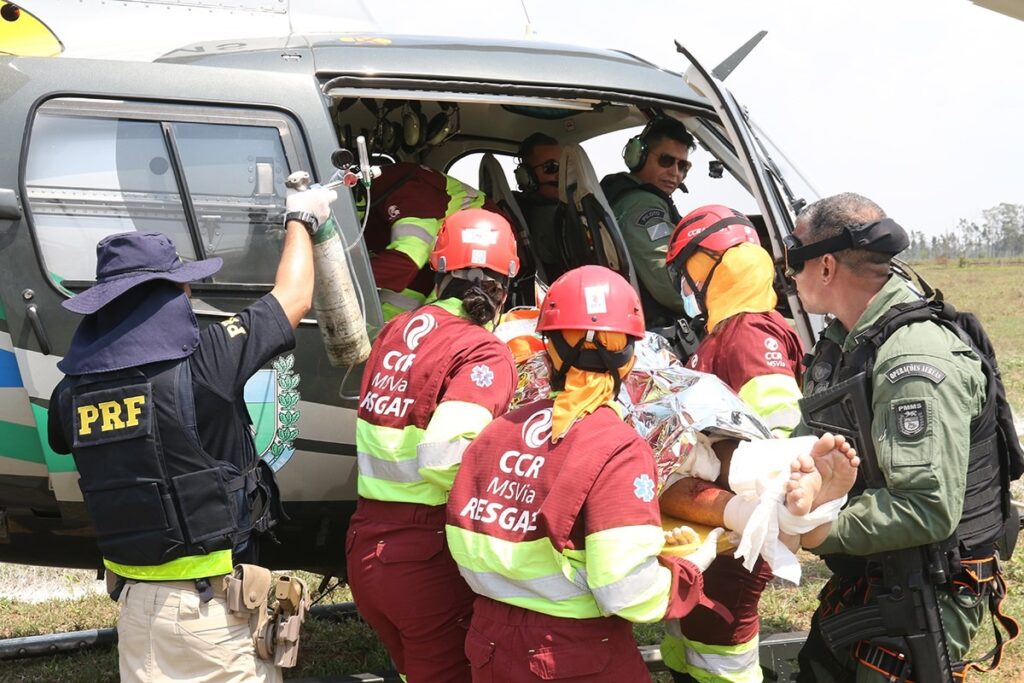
690	306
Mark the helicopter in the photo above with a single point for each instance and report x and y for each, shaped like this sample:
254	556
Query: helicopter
198	144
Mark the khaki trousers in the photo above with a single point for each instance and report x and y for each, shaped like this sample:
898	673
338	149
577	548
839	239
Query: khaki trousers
165	633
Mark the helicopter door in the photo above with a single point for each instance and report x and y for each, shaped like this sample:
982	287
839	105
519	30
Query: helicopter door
760	174
96	148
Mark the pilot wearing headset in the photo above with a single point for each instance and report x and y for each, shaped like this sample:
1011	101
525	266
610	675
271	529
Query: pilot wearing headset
537	176
658	160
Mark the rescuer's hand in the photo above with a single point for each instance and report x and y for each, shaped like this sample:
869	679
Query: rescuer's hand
708	550
315	200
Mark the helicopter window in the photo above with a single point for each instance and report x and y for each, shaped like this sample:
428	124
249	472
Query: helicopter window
211	179
235	177
87	178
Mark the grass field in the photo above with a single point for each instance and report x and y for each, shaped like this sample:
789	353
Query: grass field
993	290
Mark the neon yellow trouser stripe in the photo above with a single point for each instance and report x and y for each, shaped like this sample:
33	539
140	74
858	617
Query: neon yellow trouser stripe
181	569
775	398
713	663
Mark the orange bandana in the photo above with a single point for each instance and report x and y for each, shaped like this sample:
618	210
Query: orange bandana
585	391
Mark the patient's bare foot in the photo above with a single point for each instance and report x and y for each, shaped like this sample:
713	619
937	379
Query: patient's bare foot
803	485
836	462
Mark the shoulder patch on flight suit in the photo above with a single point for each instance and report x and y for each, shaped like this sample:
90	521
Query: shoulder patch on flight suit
915	369
659	231
911	418
650	215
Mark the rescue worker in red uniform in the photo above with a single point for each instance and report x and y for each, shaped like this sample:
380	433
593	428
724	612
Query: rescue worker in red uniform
408	203
435	377
725	279
553	519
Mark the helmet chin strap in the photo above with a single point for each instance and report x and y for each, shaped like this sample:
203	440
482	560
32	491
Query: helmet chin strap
598	359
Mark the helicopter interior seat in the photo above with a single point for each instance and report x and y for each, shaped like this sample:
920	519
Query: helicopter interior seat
494	184
589	232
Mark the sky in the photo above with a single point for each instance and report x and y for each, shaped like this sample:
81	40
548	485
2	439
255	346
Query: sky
916	104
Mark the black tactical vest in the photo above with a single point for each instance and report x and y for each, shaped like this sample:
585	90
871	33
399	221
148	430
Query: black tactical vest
838	387
153	493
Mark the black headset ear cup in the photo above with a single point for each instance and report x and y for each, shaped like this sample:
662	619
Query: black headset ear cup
525	177
635	153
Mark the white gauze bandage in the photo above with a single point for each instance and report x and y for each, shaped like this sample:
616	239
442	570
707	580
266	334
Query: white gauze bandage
758	475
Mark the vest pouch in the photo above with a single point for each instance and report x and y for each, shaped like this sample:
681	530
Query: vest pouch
135	524
206	508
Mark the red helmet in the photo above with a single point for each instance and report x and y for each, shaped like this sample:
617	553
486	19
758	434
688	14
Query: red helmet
475	238
592	298
713	227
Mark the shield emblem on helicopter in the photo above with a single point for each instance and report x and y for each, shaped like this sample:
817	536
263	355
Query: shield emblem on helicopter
272	397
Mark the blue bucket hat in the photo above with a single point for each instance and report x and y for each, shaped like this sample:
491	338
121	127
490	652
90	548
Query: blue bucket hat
135	314
128	259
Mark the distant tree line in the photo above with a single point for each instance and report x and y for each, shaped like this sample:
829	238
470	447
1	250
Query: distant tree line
1000	234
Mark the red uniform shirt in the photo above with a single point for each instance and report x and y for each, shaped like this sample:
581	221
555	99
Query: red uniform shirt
749	345
428	355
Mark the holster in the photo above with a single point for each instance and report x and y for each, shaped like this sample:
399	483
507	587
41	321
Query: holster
278	637
247	588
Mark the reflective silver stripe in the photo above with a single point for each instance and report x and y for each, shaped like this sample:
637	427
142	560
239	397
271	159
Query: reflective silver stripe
468	198
784	417
412	230
402	301
553	587
724	665
403	471
622	593
440	454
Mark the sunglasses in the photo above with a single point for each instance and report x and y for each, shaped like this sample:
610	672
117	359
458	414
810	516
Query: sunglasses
549	167
666	161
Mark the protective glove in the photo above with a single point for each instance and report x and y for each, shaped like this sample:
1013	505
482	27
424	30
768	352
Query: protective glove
708	550
315	200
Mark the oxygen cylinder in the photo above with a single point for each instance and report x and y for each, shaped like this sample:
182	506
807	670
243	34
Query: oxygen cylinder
335	300
341	321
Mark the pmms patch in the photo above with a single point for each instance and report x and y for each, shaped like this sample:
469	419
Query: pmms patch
913	369
911	418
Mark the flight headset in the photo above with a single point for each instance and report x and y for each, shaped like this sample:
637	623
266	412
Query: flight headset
417	132
525	176
635	151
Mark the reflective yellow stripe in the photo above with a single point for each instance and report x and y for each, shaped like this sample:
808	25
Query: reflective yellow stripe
181	569
415	238
535	576
637	592
775	398
392	303
388	469
462	196
710	663
452	419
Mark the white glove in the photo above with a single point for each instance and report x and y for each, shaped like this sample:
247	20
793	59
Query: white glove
708	550
315	200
